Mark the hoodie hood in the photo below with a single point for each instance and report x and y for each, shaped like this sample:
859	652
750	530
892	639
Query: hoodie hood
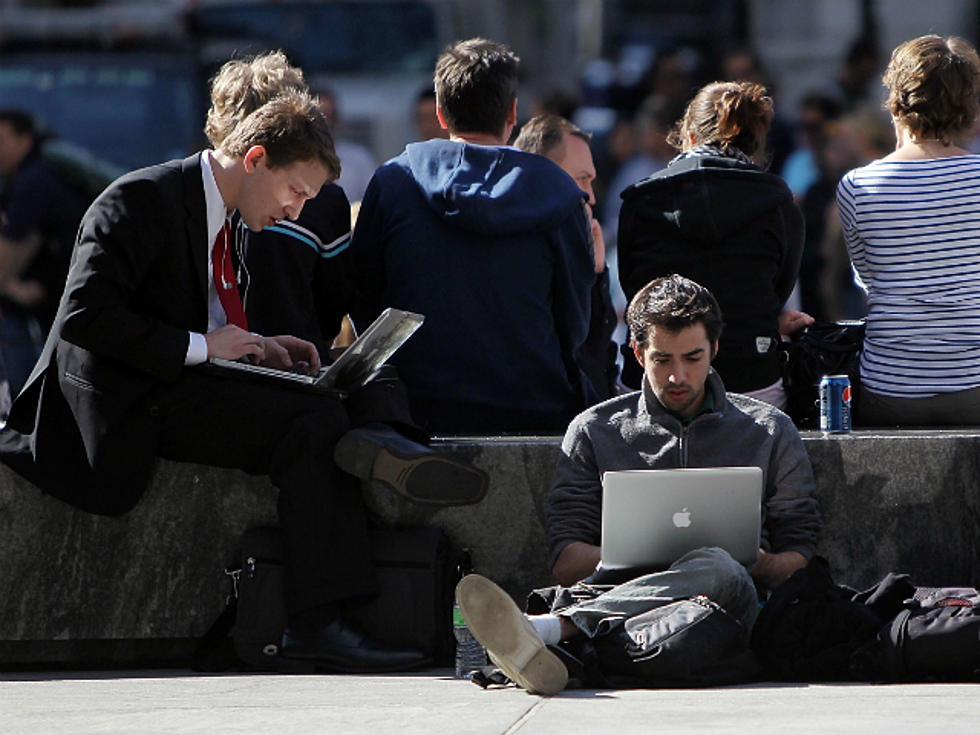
496	190
707	198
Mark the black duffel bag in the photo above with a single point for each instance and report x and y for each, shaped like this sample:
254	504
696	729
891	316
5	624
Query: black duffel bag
417	569
822	348
938	642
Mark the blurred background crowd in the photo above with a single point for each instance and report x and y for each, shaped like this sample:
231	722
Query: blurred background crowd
115	85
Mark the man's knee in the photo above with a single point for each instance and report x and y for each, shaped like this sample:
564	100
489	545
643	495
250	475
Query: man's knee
311	435
710	558
320	428
722	579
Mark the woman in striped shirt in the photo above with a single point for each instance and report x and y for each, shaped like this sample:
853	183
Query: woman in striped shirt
911	221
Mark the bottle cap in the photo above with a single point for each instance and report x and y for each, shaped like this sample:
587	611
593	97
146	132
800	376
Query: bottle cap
458	620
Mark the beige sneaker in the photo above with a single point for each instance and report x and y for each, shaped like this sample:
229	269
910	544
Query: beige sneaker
510	639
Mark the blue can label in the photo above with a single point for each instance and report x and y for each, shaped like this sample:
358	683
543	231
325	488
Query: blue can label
835	404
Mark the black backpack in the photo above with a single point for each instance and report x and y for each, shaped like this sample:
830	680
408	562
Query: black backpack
822	348
926	642
417	570
812	629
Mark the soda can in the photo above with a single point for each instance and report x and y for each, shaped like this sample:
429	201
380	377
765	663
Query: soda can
835	404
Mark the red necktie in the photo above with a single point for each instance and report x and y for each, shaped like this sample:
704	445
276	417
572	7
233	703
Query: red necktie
224	278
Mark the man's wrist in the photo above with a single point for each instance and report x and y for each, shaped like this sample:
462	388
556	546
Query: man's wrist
197	349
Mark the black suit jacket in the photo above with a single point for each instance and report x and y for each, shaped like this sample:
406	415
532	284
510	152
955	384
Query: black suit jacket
82	428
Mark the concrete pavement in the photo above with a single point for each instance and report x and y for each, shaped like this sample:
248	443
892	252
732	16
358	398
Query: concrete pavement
165	701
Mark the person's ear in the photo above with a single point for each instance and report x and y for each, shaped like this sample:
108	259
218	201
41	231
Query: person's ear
512	115
714	350
638	353
441	116
253	156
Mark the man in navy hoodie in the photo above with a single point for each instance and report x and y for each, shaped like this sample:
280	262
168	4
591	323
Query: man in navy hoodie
490	243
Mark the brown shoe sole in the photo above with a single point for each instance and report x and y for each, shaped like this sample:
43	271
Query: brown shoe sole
431	479
498	624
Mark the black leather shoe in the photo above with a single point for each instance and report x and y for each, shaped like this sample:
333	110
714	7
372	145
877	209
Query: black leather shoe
339	646
410	469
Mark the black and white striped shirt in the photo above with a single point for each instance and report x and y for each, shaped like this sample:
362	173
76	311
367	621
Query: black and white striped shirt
912	229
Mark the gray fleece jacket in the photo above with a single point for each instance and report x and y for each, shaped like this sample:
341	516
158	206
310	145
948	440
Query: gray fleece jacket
635	432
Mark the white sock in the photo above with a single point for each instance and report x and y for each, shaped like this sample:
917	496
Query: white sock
548	627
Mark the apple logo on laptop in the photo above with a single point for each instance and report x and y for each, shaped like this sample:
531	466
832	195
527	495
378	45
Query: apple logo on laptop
682	519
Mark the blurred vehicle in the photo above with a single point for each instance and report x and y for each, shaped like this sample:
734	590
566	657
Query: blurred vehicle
374	54
128	109
116	80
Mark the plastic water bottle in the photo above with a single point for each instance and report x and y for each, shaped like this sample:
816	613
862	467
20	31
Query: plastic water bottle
470	655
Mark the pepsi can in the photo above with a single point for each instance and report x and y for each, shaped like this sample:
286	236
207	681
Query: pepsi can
835	404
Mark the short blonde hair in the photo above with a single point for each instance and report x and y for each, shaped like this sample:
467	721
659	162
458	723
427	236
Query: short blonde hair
290	127
242	86
933	86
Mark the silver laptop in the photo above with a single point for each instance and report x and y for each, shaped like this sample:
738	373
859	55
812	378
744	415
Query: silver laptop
650	518
355	366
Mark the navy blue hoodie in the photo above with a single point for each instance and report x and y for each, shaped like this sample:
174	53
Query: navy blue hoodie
492	245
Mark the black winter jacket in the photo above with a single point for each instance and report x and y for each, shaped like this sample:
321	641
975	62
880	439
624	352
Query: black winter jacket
734	229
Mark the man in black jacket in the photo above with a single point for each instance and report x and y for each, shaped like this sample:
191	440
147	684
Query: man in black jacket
116	386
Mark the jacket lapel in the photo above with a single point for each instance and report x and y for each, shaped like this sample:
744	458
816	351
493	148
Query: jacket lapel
196	223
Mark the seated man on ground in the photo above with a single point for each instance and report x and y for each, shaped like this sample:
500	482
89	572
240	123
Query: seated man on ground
490	243
682	417
566	144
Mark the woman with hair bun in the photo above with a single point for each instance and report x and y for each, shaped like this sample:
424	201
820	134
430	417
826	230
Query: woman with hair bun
911	222
714	216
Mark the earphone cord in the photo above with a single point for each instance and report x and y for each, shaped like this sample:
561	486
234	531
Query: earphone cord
242	266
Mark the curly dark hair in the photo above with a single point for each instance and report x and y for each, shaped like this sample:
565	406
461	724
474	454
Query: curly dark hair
673	302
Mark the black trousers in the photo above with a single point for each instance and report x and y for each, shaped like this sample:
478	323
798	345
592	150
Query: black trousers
288	434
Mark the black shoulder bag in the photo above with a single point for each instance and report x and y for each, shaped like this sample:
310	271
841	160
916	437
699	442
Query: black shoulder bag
823	348
417	570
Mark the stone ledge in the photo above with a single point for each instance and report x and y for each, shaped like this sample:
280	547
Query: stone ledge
892	501
900	500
